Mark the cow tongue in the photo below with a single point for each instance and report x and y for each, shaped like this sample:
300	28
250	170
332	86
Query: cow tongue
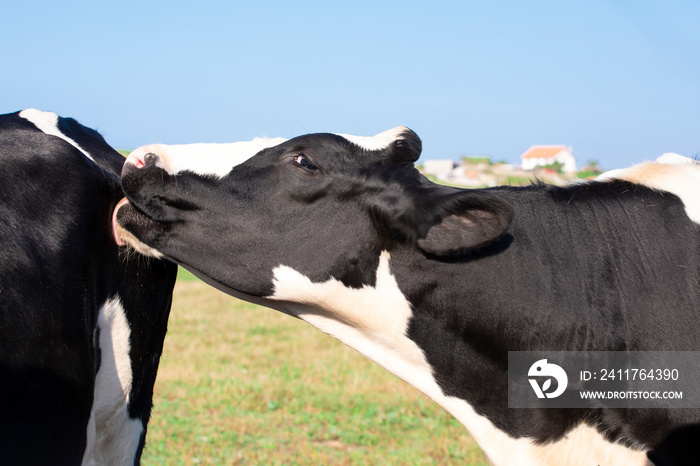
115	234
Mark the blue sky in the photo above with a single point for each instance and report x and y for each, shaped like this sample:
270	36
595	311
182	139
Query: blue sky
616	80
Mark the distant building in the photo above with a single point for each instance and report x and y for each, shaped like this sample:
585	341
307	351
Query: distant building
441	169
540	156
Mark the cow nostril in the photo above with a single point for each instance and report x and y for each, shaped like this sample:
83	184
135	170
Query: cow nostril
150	159
145	157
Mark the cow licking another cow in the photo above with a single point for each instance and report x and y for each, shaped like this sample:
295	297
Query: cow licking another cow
438	284
81	325
435	284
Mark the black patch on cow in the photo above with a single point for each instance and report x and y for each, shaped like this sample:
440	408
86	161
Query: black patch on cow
58	265
445	221
680	448
573	273
91	142
597	266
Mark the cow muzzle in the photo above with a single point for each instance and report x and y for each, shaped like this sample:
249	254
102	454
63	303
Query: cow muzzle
152	155
125	212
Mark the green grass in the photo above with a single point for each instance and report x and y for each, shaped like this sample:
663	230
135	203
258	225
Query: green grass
185	275
240	384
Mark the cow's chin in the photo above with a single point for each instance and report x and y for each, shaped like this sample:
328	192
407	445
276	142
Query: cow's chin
127	223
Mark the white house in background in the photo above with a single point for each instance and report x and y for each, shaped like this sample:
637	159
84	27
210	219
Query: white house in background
441	169
539	156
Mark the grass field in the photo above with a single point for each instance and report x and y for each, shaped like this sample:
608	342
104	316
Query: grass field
240	384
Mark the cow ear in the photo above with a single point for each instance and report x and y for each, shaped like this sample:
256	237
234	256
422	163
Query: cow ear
468	220
446	221
407	147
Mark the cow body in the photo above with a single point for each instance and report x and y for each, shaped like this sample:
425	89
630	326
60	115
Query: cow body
437	284
81	326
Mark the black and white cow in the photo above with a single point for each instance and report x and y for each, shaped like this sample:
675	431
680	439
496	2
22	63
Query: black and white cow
81	324
437	284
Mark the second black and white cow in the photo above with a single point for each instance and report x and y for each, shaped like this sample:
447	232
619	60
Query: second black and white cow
438	284
81	324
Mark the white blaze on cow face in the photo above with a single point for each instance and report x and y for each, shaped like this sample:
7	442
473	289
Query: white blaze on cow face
377	142
677	175
374	321
219	159
202	159
118	435
48	123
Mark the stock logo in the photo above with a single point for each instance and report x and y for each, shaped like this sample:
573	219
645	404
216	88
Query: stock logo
541	369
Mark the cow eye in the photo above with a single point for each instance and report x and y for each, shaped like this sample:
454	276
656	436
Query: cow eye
302	160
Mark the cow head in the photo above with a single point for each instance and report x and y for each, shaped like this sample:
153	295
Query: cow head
325	205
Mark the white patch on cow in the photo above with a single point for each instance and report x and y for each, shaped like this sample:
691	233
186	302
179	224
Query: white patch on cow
118	435
675	159
374	321
48	123
204	159
89	454
678	175
219	159
584	445
378	142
